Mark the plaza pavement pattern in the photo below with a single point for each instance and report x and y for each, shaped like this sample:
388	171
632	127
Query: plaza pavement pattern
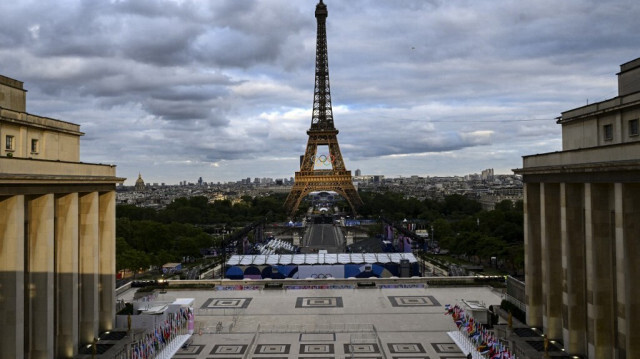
396	323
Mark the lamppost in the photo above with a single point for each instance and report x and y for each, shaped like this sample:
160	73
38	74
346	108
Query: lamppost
432	237
223	250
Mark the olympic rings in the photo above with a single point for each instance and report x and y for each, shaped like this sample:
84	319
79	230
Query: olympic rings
323	160
321	276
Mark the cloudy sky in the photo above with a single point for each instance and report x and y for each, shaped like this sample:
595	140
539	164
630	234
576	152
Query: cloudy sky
223	89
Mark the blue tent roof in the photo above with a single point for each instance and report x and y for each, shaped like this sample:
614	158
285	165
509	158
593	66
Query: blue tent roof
313	259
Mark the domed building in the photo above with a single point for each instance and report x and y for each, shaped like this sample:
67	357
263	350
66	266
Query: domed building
139	183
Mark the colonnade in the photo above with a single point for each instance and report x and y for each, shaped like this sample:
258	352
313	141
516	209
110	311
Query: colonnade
57	272
582	242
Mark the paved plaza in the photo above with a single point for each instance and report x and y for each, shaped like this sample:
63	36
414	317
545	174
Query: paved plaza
394	323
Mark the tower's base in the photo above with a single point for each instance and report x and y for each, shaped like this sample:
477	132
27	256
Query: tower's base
322	180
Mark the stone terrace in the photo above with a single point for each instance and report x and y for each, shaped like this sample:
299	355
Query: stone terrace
394	323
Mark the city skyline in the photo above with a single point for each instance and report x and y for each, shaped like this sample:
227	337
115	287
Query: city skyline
177	90
272	180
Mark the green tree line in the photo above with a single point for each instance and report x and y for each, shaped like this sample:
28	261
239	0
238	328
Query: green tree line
146	236
459	224
154	237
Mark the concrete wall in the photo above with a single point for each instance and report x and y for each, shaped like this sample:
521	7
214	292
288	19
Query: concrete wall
12	246
57	236
626	152
631	114
12	95
579	134
589	132
57	140
57	272
629	77
30	169
52	145
581	267
582	127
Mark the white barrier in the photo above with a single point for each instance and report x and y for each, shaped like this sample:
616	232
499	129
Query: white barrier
465	344
172	348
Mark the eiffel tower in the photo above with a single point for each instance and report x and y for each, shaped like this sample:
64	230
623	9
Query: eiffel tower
322	133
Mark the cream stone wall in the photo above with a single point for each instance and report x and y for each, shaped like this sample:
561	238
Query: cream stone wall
579	134
626	152
630	310
40	271
583	127
67	259
58	172
582	231
12	95
10	130
38	135
572	212
63	248
53	145
12	247
68	148
551	258
57	140
628	77
57	236
532	260
88	265
583	289
106	265
614	121
631	114
589	133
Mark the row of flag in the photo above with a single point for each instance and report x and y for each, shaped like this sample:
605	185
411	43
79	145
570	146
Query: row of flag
154	341
482	339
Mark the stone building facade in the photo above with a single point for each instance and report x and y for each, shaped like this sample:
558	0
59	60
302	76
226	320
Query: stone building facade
582	228
57	235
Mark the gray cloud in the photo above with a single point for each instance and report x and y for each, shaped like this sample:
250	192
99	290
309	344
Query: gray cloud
223	89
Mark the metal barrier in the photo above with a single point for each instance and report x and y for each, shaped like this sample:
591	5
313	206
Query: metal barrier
120	304
384	355
123	288
253	342
235	312
427	281
318	328
516	293
363	338
515	302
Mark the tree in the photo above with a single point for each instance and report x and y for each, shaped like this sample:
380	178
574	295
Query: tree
457	206
135	213
129	258
442	232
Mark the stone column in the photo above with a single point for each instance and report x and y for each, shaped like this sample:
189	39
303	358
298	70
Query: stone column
41	255
107	266
88	266
600	269
551	250
619	255
12	277
573	268
532	259
66	241
631	244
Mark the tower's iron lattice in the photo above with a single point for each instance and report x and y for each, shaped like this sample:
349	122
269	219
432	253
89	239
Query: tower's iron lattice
322	133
